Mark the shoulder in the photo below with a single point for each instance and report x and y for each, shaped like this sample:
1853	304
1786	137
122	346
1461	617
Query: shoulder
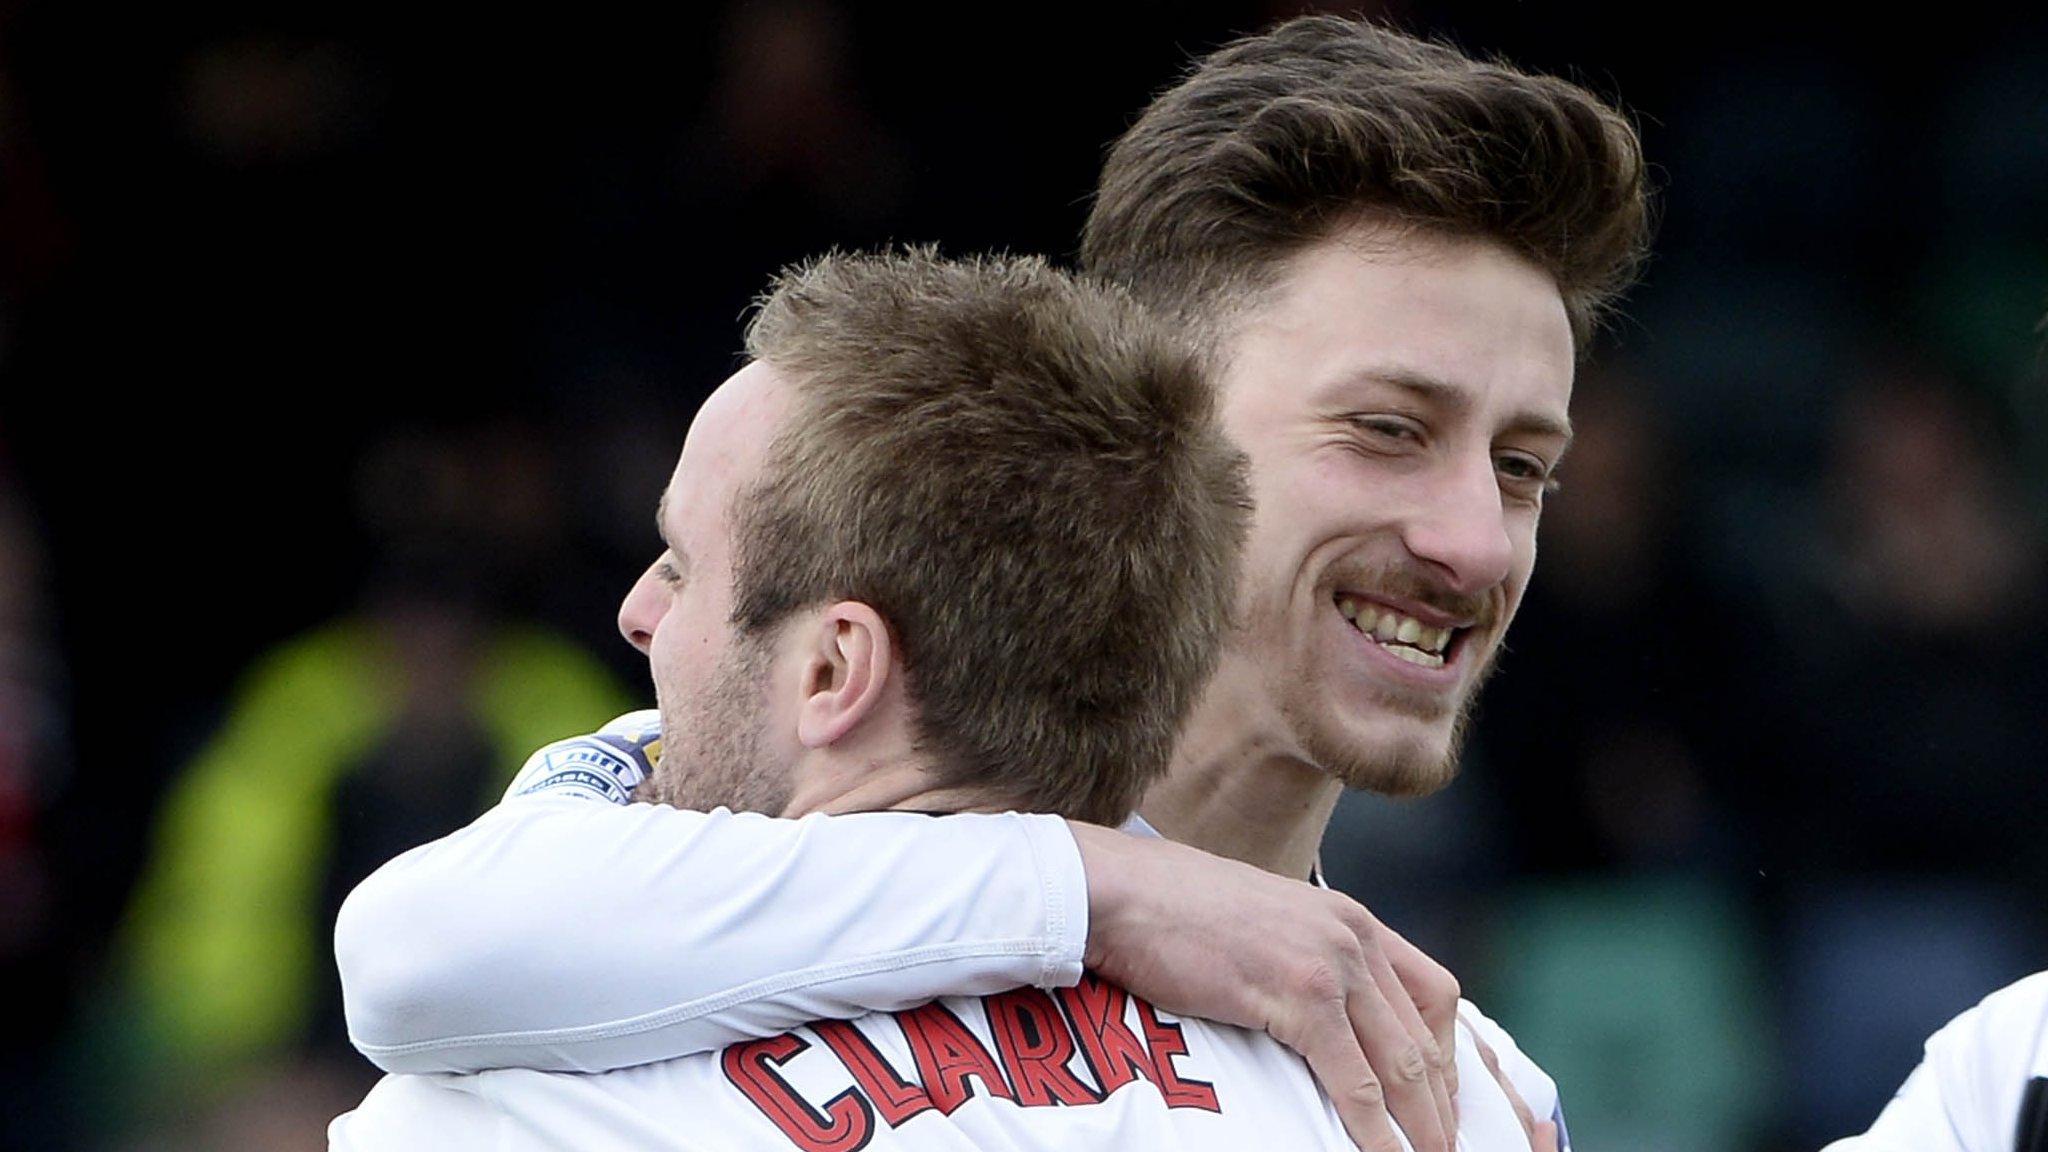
1965	1095
1530	1082
2006	1029
1982	1059
1537	1089
418	1113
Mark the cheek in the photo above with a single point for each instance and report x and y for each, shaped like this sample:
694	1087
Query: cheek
1524	531
661	659
680	633
1524	565
694	633
1262	584
1329	495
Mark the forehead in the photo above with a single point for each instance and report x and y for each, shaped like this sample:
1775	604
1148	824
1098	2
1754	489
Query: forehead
1373	303
725	450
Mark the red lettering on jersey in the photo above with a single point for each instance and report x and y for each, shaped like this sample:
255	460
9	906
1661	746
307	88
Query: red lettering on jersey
947	1054
847	1124
1113	1053
1165	1041
895	1098
1033	1040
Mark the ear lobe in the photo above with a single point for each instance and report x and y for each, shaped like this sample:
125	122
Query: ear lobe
846	675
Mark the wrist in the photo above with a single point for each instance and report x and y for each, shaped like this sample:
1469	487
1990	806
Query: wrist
1106	867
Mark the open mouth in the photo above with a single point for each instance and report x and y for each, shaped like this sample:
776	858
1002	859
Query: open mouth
1403	637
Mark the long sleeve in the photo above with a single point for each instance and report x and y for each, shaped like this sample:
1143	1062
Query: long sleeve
562	934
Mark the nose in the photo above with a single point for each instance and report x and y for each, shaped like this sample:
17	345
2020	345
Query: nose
1462	528
640	612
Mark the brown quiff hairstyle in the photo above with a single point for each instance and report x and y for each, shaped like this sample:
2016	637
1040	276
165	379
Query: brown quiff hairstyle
1025	476
1275	141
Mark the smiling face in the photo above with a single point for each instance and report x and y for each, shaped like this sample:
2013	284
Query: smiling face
1402	396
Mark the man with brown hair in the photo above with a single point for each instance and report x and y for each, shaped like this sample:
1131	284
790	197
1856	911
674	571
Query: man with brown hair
1396	321
1394	254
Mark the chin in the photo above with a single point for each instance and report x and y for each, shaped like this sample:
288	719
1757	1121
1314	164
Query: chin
1415	762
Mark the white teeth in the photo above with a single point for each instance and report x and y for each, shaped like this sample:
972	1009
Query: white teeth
1417	656
1390	627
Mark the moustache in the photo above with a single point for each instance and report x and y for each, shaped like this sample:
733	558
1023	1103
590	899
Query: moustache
1413	585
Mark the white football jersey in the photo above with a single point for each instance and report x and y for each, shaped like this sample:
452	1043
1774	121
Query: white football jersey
563	974
1965	1095
1087	1066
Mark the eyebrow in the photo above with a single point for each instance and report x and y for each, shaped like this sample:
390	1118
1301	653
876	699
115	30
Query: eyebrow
1445	395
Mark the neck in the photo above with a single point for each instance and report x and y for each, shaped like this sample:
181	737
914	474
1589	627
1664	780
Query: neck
901	785
1240	787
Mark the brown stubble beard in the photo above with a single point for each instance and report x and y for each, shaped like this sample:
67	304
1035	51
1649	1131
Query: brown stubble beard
1415	767
1410	770
711	745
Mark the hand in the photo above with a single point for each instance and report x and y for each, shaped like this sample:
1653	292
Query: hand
1542	1133
1200	935
604	765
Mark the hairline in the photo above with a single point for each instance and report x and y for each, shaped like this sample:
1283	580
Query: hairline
1218	317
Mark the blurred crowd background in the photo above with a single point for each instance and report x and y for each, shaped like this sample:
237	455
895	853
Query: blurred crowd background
345	347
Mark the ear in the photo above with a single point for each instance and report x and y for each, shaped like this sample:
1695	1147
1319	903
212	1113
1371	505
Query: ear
848	671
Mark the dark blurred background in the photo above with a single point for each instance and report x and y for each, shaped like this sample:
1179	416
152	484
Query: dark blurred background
344	349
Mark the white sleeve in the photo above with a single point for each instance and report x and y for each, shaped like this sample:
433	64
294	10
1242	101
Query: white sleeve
1917	1120
565	935
1965	1095
1532	1083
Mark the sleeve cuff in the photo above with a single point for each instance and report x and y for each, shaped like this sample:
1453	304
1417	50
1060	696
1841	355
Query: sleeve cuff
1063	887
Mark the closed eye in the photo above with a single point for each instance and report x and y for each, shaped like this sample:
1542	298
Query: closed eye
1388	429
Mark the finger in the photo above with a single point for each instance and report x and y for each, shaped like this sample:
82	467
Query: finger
1433	1052
1414	1095
1435	992
1331	1048
1515	1100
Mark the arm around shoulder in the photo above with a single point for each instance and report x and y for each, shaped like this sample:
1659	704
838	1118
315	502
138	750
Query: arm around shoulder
561	934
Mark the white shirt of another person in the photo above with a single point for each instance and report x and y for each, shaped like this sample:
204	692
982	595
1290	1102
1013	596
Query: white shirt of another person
1965	1096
